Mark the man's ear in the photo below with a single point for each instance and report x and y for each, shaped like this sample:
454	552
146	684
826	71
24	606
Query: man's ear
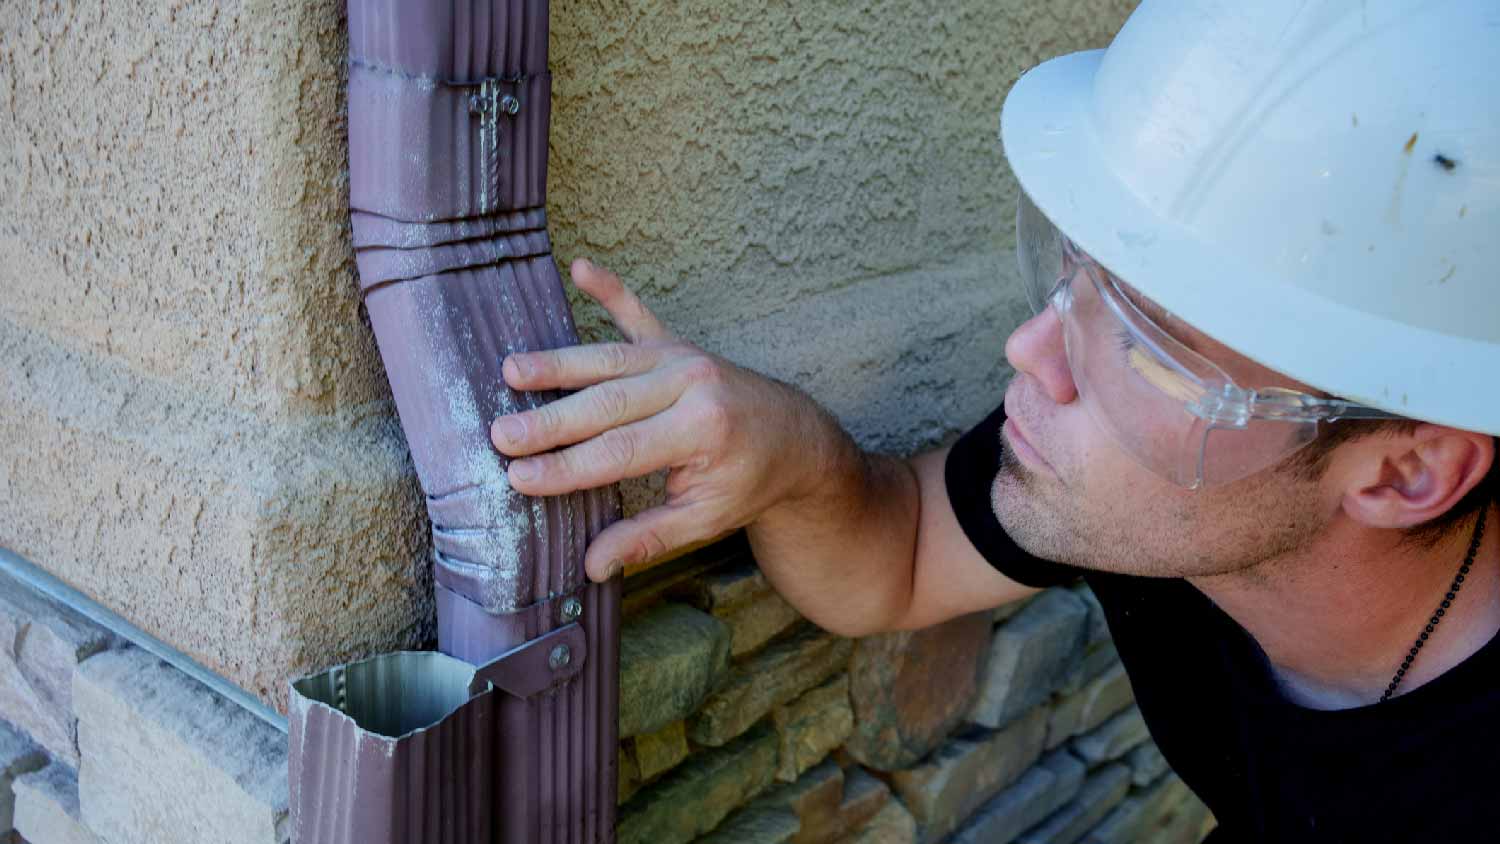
1406	480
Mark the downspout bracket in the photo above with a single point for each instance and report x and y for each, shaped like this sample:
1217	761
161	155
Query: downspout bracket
535	667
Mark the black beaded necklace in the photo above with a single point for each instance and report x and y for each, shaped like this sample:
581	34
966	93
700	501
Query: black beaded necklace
1442	609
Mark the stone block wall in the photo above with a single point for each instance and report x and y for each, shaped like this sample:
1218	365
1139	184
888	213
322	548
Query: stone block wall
741	722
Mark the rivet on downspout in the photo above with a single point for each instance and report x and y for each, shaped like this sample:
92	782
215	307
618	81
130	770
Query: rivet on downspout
560	657
572	608
510	105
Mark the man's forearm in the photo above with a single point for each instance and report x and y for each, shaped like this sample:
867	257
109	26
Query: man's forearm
842	553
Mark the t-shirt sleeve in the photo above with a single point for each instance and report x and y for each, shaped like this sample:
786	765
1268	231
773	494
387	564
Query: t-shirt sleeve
970	476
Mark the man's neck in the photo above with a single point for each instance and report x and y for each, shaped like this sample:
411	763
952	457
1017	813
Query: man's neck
1337	619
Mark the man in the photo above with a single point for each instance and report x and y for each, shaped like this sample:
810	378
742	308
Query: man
1235	221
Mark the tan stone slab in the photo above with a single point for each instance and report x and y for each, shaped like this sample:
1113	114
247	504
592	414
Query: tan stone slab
165	760
962	774
815	799
811	726
658	752
698	794
893	824
911	688
46	641
47	810
671	657
18	755
755	826
776	675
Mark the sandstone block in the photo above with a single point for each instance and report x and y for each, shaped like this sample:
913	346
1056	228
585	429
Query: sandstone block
829	802
47	810
629	777
674	577
697	795
893	824
1146	763
1031	656
1097	658
1183	826
1101	792
671	657
758	621
19	755
1111	739
811	726
865	797
814	797
962	774
910	689
1098	624
658	752
755	826
1038	794
776	675
1090	706
166	760
45	641
1141	814
740	596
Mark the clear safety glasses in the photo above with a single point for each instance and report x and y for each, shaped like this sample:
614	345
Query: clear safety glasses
1173	410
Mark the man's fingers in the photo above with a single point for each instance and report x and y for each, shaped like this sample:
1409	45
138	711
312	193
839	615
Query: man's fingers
633	319
639	448
642	537
575	418
576	367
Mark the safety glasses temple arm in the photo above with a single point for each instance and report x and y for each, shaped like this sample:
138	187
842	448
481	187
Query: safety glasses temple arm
1299	407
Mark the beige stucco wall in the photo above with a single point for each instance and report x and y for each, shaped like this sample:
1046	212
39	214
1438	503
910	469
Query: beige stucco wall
197	430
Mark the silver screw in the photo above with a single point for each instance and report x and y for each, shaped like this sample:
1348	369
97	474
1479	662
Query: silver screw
509	104
478	104
560	657
572	608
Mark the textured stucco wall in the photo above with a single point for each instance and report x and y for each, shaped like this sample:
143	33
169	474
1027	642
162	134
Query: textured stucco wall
198	431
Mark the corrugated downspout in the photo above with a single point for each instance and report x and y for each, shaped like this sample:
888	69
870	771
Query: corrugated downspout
448	118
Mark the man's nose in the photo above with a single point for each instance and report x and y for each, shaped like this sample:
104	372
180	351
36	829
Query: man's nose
1036	348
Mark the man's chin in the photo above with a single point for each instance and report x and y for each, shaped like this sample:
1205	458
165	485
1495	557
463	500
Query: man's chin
1015	500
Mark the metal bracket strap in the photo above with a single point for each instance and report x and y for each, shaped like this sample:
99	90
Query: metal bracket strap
539	665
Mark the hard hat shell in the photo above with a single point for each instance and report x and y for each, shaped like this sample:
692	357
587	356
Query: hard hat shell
1315	185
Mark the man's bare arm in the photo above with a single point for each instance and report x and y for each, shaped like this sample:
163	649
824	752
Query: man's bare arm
880	549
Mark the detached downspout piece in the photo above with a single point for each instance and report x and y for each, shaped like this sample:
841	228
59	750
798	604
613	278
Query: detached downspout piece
449	105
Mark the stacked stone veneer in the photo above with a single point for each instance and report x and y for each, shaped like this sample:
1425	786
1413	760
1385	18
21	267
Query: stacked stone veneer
103	743
740	722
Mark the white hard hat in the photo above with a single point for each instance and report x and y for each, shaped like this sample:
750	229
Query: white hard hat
1315	185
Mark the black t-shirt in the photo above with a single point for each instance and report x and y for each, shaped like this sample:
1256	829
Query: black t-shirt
1422	767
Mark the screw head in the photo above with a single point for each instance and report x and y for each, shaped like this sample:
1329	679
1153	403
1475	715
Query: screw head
560	657
572	608
478	104
509	104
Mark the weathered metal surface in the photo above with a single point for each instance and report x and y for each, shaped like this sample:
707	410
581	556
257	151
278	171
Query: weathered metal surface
392	750
448	116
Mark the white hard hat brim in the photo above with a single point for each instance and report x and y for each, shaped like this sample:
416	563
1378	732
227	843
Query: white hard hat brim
1051	141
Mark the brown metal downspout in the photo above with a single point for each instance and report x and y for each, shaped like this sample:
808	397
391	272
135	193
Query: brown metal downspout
449	104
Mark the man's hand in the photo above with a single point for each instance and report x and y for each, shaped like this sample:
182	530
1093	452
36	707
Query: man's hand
736	442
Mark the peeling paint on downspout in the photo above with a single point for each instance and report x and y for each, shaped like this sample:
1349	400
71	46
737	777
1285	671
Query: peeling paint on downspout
449	106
